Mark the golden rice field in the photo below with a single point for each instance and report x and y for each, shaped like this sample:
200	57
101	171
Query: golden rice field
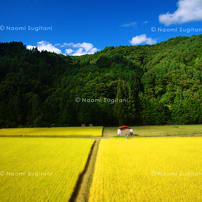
148	169
41	169
95	131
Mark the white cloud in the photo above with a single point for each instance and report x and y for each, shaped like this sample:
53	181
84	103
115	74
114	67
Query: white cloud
93	50
188	10
75	49
81	48
30	47
69	51
87	46
131	24
79	52
145	22
142	39
64	44
43	45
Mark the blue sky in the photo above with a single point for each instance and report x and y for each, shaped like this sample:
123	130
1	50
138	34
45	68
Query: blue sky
83	27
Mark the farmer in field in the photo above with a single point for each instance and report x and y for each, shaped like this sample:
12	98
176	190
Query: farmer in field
131	132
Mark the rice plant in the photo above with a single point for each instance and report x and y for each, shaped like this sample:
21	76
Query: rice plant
95	131
41	169
148	169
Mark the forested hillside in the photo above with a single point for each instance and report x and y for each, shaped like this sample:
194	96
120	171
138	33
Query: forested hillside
162	85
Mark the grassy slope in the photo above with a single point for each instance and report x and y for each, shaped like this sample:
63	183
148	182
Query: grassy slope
158	130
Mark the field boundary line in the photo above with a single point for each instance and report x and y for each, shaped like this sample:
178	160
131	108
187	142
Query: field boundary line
59	136
79	137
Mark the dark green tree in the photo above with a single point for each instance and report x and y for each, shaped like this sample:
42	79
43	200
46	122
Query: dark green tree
119	105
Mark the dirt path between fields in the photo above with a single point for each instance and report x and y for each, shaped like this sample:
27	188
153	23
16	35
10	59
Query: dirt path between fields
82	190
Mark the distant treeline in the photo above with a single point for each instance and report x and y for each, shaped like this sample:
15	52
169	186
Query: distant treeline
161	83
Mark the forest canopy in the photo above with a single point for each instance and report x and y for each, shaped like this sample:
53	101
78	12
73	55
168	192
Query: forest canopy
161	84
